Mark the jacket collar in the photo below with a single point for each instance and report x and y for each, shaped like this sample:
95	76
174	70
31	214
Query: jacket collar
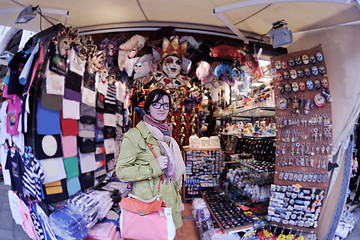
144	131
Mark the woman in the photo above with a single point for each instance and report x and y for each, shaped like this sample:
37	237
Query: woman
138	164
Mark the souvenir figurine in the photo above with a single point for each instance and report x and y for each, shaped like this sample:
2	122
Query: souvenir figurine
324	82
295	105
319	100
307	105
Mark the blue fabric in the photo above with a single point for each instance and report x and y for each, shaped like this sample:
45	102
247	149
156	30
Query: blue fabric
47	121
73	185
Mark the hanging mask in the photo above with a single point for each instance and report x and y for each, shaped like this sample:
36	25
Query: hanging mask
278	64
171	66
300	73
322	70
286	75
319	57
312	59
309	84
317	84
305	59
279	77
281	88
291	62
281	103
308	105
288	88
293	74
319	100
325	93
307	72
302	86
324	83
315	70
284	65
298	60
295	86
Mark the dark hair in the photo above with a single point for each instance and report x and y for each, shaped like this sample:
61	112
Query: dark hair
155	96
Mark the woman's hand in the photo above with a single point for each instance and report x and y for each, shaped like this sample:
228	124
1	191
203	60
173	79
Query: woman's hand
162	161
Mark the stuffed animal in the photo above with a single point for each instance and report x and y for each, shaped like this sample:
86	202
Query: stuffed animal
129	50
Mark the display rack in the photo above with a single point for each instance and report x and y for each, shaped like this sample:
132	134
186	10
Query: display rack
304	134
226	214
202	170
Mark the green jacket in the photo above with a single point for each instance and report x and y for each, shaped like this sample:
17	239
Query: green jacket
137	163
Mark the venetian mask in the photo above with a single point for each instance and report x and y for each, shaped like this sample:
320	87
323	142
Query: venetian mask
307	72
305	59
324	82
278	64
291	62
284	65
317	84
322	70
64	46
286	75
309	84
293	74
319	56
288	88
300	73
295	86
171	66
312	59
298	60
302	86
315	70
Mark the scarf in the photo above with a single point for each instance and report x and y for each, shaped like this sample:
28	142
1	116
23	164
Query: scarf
169	148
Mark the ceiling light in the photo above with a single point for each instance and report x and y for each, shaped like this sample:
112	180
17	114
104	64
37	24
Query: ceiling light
27	14
280	34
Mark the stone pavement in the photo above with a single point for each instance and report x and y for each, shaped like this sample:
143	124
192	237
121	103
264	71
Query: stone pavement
9	230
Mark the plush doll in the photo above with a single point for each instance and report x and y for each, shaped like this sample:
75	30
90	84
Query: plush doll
204	72
128	51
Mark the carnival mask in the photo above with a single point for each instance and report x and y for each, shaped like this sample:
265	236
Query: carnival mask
305	59
286	75
278	64
171	66
324	82
317	84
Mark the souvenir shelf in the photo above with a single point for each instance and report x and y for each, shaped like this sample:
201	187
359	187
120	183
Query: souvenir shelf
250	113
226	214
303	138
202	170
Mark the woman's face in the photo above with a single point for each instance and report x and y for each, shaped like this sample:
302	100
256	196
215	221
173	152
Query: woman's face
160	114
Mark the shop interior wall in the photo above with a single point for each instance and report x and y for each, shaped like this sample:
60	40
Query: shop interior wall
342	53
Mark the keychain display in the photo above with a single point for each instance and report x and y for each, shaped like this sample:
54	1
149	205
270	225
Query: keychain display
295	206
303	140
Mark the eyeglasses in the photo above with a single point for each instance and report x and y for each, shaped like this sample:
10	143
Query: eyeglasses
157	105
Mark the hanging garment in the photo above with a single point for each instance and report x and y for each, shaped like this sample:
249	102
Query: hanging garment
14	201
47	121
87	114
48	146
33	176
16	66
73	186
35	68
71	166
26	221
55	191
55	83
71	109
13	115
69	127
44	222
69	145
53	169
15	166
87	162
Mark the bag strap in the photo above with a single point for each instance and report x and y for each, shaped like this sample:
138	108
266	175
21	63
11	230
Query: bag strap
153	151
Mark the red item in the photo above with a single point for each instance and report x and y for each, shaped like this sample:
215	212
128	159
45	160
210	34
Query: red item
69	127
